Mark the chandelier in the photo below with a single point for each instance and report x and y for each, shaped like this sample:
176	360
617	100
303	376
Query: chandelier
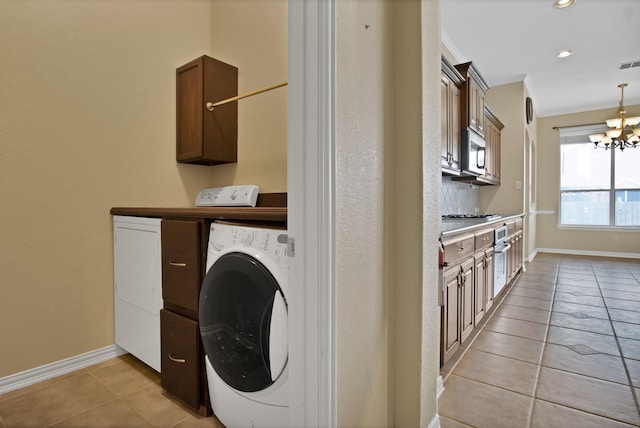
622	133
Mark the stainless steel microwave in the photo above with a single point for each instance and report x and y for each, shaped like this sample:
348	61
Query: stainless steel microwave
473	153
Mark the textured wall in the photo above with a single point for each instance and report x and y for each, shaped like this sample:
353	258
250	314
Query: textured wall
362	111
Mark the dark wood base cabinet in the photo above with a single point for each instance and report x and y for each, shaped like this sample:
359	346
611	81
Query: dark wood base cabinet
183	263
181	357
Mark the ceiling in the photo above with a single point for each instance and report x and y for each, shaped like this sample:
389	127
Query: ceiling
515	40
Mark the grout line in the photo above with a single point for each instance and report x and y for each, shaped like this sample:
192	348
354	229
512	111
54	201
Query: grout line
544	346
622	356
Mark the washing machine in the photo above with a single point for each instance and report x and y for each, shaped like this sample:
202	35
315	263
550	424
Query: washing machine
243	325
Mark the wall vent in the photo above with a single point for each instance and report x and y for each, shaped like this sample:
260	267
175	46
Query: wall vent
630	64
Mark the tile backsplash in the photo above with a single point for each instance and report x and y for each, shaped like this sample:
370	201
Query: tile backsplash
458	198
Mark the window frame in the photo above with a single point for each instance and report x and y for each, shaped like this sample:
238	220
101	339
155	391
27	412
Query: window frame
577	135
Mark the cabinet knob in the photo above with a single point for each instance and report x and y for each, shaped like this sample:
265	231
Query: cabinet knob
177	360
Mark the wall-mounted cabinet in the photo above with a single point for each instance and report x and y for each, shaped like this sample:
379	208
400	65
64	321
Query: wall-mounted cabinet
472	100
203	136
450	83
493	142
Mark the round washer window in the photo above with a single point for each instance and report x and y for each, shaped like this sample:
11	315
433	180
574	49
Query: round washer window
236	301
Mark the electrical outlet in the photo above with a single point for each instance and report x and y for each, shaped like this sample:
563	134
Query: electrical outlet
518	185
616	238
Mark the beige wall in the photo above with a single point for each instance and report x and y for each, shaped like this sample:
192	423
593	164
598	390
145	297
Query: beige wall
507	103
87	122
252	35
362	311
387	318
548	234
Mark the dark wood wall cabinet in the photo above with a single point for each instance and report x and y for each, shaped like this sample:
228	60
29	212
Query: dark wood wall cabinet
203	136
473	114
450	82
472	102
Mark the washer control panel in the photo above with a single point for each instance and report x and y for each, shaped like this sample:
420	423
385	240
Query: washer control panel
228	196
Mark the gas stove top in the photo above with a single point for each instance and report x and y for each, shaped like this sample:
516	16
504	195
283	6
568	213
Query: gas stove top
486	217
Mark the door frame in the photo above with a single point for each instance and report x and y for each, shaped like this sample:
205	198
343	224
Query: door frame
311	212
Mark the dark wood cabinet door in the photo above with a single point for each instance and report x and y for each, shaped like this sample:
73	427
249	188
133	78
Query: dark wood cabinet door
203	136
488	303
181	263
479	287
180	348
450	340
466	299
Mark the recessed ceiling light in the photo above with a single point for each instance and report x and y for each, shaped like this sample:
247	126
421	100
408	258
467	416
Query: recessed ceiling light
563	3
564	54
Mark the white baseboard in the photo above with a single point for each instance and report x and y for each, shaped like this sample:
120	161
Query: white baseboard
588	253
439	387
49	371
435	422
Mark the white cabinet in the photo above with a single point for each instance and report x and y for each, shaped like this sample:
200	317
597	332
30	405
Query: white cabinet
138	286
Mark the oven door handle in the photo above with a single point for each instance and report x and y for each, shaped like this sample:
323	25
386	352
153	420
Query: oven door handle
502	249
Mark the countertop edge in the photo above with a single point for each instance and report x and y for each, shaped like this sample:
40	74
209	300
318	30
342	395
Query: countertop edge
480	225
219	213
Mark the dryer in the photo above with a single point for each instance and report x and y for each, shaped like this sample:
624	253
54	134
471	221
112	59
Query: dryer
243	325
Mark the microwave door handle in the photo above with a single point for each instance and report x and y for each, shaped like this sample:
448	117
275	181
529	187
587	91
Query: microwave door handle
480	158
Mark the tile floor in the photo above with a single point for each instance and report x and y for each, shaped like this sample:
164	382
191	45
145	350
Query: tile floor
122	393
561	350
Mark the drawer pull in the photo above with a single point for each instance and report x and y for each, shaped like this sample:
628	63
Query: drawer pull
177	360
461	249
178	264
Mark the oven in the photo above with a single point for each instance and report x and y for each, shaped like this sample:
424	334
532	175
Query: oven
500	249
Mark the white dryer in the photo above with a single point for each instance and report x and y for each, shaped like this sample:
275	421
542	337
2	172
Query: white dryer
243	325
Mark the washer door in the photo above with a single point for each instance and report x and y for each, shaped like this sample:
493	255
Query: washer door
243	322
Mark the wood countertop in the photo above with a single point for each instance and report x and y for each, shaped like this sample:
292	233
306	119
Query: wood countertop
218	213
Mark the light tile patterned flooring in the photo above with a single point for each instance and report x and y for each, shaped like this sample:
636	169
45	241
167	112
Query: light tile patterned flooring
562	350
122	393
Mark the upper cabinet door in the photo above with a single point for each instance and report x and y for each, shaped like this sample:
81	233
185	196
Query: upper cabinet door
474	90
203	136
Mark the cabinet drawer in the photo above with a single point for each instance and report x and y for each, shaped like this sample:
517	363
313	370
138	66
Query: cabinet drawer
483	239
181	266
458	250
180	348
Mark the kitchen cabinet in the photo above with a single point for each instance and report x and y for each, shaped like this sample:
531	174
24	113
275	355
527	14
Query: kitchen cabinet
137	287
203	136
492	138
515	253
450	81
183	262
483	274
472	101
457	319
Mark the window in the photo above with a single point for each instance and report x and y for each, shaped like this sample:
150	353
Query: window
598	188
